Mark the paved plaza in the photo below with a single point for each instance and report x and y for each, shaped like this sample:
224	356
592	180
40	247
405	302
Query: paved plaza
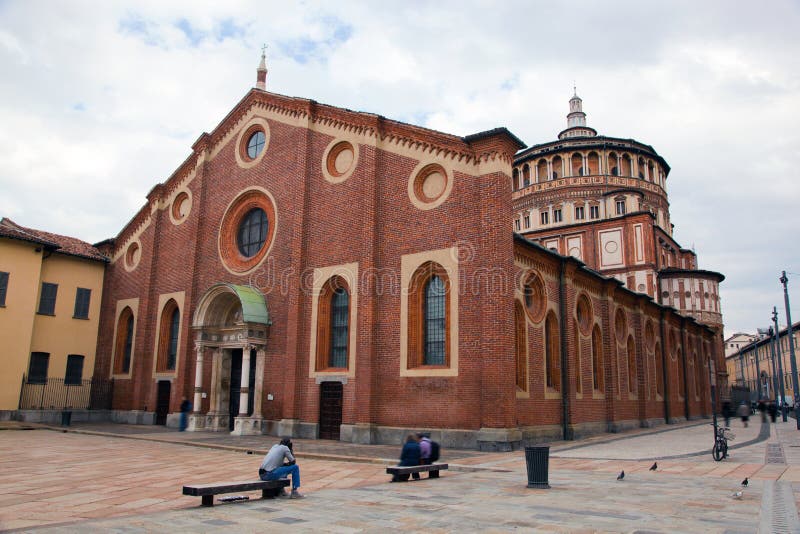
121	478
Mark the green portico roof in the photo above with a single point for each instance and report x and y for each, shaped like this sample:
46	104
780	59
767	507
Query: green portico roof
254	307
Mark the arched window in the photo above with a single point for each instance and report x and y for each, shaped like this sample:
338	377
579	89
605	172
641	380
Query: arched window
429	318
593	161
679	367
577	165
631	365
520	347
578	363
659	370
333	325
613	164
541	170
526	175
123	346
597	360
552	367
557	168
641	164
625	165
515	179
698	374
168	337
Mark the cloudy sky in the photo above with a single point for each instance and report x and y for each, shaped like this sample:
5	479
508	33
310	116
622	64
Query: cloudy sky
99	101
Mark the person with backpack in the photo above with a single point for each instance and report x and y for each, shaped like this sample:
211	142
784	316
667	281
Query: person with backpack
429	449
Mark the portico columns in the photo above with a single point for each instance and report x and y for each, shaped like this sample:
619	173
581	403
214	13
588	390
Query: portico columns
245	382
198	378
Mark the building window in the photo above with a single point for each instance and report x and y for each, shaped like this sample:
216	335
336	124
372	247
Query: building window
597	360
526	176
252	232
333	325
428	317
659	370
37	370
520	346
557	215
47	299
545	217
527	220
578	213
74	373
124	342
631	350
255	144
620	207
594	212
3	287
82	297
552	368
516	225
169	329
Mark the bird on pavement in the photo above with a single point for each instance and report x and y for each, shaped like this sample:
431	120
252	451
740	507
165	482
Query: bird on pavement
745	482
621	475
737	495
654	466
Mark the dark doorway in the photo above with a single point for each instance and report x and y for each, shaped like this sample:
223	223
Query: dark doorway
236	384
162	401
330	410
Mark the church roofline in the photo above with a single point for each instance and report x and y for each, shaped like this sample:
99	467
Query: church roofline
670	272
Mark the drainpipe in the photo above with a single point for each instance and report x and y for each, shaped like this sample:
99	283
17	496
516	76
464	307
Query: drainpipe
562	310
664	368
683	357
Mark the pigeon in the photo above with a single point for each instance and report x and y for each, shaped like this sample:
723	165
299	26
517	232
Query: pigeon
737	495
745	482
654	466
621	475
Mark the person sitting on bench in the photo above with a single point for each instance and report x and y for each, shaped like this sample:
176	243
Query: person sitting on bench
409	456
273	468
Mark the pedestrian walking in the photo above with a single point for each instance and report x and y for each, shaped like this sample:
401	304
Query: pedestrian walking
744	412
186	407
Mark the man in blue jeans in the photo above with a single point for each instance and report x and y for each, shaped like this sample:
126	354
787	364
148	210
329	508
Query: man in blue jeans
273	468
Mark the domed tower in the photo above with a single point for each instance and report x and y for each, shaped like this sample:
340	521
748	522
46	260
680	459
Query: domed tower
604	201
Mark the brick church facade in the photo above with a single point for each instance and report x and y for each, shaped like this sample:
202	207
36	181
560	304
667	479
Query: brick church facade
322	273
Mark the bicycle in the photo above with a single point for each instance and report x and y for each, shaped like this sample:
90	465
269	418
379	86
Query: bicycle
720	450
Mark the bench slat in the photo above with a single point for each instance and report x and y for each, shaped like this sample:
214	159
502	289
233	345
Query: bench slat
408	469
199	490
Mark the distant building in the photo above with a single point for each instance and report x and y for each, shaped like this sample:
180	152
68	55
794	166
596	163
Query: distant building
751	364
51	287
736	341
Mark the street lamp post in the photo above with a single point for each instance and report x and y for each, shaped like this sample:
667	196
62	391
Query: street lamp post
785	281
776	348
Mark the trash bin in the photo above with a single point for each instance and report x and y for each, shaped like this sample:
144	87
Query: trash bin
66	417
537	460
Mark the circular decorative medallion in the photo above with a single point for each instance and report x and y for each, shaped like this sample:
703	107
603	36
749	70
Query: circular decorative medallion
247	231
583	311
429	185
339	161
181	206
620	325
611	247
649	336
133	255
535	296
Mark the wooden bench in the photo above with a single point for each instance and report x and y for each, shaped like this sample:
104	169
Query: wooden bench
401	473
269	489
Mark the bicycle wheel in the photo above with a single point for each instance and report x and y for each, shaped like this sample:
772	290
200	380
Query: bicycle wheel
724	445
716	452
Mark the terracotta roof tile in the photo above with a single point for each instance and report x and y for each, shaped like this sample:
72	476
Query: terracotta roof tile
60	243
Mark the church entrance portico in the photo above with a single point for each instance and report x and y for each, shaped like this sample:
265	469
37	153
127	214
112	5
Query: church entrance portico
231	328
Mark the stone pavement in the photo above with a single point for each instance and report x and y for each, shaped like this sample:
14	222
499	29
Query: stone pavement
122	478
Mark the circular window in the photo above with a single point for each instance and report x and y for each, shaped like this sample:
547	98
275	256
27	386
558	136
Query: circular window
180	207
256	144
132	255
620	326
252	232
584	314
429	186
247	231
535	297
339	161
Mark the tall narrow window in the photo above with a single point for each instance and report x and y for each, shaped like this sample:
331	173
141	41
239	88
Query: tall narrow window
3	287
124	342
82	297
340	313
545	217
47	299
333	325
659	370
620	207
527	221
37	369
597	360
681	382
557	215
434	321
578	363
594	212
516	225
169	330
632	383
578	213
520	347
551	361
74	372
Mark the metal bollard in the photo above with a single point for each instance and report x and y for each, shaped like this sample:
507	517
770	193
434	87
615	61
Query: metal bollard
537	460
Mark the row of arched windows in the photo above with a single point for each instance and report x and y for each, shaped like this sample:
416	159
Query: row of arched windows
586	164
167	351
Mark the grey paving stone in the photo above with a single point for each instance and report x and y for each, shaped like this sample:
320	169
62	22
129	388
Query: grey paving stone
288	520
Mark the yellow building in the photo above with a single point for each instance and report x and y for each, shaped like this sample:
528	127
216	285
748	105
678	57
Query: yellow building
50	294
